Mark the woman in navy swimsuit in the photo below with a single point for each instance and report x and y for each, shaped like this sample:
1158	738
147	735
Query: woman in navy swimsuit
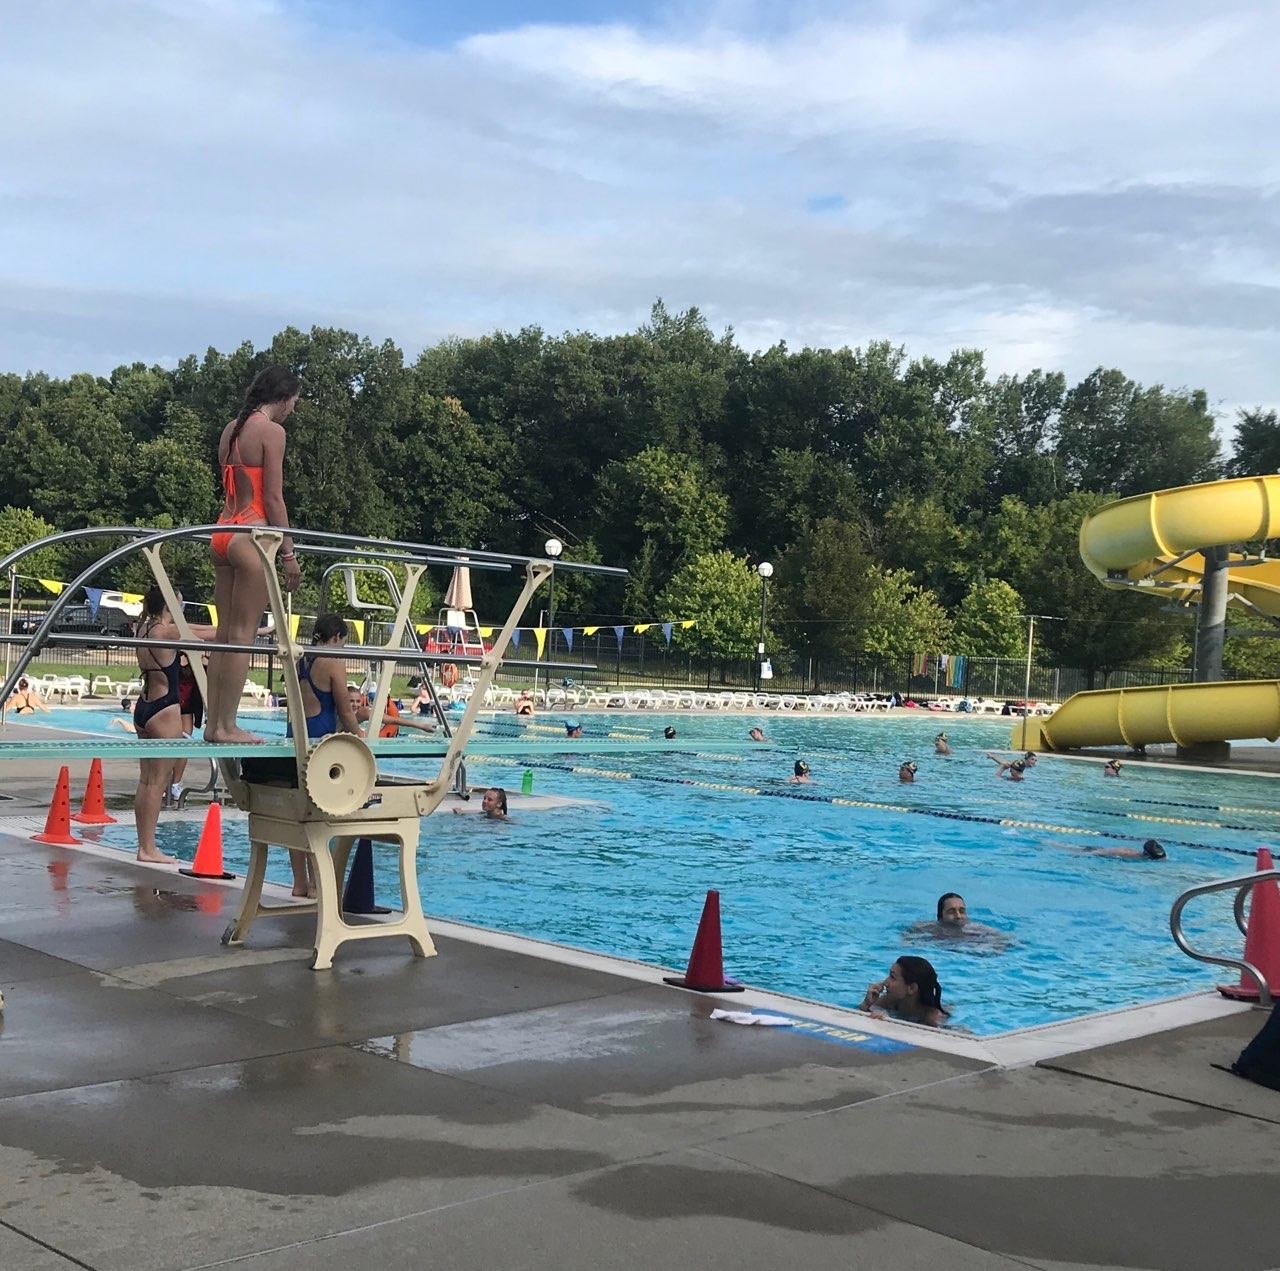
327	706
157	713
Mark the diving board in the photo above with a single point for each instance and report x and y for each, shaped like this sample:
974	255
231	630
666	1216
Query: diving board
127	748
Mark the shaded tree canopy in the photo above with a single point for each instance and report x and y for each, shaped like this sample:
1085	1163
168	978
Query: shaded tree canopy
876	483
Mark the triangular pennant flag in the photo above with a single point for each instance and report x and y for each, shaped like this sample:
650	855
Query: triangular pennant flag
689	622
540	635
666	631
50	584
589	631
421	628
95	600
485	632
131	597
618	632
642	627
213	614
515	638
294	620
567	632
358	624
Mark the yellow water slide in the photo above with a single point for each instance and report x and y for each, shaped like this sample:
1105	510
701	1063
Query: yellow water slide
1154	543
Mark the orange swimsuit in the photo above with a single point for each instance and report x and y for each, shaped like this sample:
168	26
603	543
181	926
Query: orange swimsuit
255	513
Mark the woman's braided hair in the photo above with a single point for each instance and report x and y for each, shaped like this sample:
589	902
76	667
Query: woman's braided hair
271	384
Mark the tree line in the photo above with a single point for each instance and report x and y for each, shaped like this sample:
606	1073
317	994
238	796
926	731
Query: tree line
908	505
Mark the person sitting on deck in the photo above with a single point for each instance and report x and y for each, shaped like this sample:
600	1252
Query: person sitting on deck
524	703
24	700
909	992
422	703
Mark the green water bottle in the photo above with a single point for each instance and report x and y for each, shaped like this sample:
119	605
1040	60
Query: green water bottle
526	785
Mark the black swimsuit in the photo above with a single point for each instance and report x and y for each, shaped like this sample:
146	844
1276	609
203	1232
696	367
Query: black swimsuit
146	709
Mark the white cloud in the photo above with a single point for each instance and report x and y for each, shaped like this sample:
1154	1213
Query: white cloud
1088	187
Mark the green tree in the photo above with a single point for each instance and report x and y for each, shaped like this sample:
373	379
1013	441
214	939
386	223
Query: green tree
989	621
1113	434
922	537
721	593
824	584
903	618
1250	657
20	526
1256	449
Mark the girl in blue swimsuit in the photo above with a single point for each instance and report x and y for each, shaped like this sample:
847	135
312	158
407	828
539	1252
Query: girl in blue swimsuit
327	706
157	713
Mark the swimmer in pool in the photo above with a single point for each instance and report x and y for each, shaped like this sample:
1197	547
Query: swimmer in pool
573	728
1029	759
1151	850
493	805
1014	771
25	700
953	923
941	745
1111	768
907	772
757	734
800	776
669	733
909	992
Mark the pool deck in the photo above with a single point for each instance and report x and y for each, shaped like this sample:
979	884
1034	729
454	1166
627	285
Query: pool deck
168	1103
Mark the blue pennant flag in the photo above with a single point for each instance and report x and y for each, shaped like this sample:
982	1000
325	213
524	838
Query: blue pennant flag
567	632
618	632
515	638
95	601
666	631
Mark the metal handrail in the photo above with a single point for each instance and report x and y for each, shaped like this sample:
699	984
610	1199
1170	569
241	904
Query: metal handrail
1242	887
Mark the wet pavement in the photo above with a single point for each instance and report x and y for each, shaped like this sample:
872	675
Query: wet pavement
168	1103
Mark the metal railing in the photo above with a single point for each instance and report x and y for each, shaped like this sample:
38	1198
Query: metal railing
1242	887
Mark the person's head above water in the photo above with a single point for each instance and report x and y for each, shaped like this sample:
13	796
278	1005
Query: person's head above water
801	768
1152	850
573	727
951	909
756	734
1111	768
1029	759
913	985
669	732
494	802
907	770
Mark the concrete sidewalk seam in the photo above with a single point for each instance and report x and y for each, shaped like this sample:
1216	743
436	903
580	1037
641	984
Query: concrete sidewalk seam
44	1244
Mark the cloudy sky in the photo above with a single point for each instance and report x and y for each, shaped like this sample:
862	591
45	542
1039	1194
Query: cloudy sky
1062	185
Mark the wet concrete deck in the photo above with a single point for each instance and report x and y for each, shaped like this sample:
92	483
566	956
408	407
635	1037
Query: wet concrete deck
167	1103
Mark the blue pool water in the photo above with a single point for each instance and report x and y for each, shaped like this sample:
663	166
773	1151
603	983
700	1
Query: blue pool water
815	896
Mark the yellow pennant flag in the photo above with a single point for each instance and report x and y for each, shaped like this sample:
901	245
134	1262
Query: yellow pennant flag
50	584
540	635
358	624
131	597
641	627
294	620
421	628
213	614
690	622
485	632
589	631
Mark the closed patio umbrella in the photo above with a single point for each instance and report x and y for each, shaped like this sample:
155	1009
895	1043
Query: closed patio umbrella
459	594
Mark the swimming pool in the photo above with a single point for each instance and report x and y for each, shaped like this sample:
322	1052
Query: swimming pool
816	895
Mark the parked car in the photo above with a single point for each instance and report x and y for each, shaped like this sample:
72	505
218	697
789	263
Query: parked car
80	620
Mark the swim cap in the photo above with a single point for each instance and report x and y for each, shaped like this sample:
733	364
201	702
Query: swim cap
910	765
668	732
571	724
1153	851
801	767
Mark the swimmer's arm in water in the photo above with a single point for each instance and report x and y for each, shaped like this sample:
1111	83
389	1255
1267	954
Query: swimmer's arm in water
127	725
1123	853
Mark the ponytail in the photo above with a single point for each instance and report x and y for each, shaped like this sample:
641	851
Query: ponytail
920	972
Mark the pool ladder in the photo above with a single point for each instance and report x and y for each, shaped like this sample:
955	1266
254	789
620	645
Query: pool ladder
1242	887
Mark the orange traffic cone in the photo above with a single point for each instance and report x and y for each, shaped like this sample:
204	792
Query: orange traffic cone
93	811
1262	941
208	861
57	826
706	963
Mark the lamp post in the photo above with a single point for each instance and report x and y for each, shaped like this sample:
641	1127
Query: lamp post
553	548
765	570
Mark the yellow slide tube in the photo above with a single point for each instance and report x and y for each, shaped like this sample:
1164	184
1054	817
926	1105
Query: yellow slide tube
1153	541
